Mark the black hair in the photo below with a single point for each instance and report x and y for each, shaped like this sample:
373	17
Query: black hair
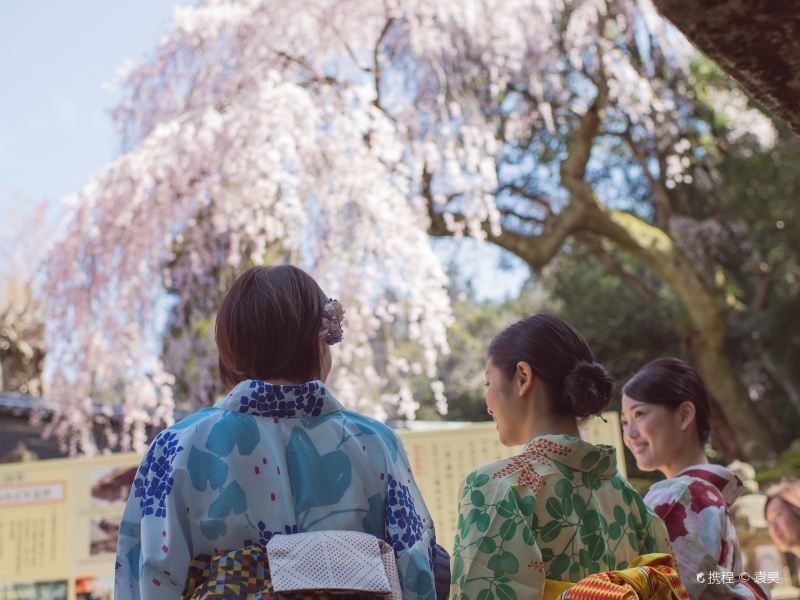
670	382
558	355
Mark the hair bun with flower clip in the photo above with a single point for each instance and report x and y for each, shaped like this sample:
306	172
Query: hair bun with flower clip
332	316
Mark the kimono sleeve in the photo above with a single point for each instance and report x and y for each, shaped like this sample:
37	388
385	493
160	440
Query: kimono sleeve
658	532
495	552
657	538
153	553
410	530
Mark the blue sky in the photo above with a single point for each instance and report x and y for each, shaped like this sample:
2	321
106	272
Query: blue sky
55	129
55	56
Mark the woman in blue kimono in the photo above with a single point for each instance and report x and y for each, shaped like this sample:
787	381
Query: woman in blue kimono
278	454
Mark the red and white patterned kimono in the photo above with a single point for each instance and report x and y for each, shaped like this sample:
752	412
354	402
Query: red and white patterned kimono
695	507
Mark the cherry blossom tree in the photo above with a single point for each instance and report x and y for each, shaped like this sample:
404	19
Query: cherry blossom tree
340	134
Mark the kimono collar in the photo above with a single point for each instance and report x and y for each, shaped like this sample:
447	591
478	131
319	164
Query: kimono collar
261	399
575	453
728	483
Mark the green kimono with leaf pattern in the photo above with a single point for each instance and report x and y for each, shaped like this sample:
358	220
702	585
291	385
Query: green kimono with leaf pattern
559	510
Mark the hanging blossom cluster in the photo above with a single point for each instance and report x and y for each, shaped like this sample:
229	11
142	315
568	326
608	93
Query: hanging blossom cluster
706	241
277	166
323	132
733	108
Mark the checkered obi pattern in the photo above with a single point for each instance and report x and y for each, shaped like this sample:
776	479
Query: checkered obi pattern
241	573
323	565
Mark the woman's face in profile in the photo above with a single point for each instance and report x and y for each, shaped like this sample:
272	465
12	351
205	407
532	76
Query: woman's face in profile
504	407
651	432
784	524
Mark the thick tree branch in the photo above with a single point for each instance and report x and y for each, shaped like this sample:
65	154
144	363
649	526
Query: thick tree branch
510	212
536	250
579	148
377	67
656	250
538	199
315	77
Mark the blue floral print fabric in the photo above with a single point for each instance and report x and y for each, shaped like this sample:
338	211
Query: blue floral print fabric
269	459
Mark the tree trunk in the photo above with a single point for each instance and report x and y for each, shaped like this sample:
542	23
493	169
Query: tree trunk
780	376
723	438
708	349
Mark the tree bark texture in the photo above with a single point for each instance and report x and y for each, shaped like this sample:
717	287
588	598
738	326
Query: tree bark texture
757	42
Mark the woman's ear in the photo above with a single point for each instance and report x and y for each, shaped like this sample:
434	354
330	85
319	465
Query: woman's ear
523	376
687	413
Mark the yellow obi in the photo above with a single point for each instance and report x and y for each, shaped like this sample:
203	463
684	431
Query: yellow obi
648	577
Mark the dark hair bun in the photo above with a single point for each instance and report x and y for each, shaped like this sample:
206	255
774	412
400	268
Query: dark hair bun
574	383
587	388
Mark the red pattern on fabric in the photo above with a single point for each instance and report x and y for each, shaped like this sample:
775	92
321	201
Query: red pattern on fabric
542	445
528	475
674	517
602	586
598	587
705	495
675	580
752	586
534	453
717	481
723	553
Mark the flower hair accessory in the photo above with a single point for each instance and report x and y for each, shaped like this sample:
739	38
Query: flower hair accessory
332	316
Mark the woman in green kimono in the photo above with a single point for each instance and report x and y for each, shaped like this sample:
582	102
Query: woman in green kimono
559	510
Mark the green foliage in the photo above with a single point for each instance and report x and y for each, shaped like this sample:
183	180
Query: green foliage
787	466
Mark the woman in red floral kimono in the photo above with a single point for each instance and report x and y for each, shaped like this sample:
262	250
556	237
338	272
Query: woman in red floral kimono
665	423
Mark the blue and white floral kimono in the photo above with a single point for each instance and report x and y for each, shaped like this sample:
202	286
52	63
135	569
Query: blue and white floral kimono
269	459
